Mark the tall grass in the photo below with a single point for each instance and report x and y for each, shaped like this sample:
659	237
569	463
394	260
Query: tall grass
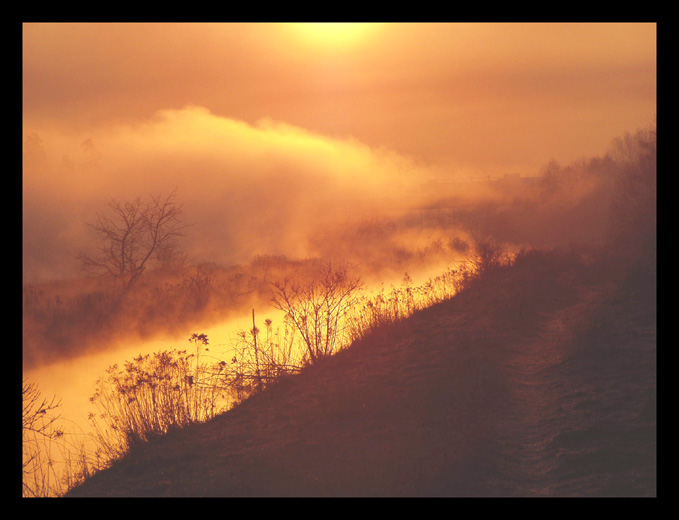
385	306
263	357
53	459
155	393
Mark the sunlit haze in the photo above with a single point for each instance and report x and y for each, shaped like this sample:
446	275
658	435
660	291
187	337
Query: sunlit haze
114	110
339	36
388	147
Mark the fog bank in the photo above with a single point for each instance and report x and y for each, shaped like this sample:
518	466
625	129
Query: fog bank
246	189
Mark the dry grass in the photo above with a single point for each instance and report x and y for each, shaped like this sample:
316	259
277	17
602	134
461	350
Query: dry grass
153	394
410	409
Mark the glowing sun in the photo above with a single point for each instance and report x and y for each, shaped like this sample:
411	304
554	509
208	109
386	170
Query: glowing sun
335	35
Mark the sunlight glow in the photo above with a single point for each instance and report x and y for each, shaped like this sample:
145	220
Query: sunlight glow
334	35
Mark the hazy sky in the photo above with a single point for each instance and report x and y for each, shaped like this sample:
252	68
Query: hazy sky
235	115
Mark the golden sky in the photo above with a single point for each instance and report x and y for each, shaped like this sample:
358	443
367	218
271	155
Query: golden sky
508	94
118	109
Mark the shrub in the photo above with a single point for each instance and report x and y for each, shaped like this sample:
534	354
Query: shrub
155	393
317	308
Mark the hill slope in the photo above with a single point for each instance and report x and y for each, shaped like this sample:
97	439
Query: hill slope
539	380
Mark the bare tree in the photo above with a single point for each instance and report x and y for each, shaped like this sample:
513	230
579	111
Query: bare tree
38	429
317	308
131	235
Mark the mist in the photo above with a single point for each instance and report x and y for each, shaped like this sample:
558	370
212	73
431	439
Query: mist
275	189
246	189
394	151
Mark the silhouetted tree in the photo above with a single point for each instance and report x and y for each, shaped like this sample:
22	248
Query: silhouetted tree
633	226
132	234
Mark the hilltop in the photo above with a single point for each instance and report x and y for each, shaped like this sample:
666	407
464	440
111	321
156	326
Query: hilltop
537	380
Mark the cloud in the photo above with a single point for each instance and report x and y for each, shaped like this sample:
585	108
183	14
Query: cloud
247	189
271	188
487	98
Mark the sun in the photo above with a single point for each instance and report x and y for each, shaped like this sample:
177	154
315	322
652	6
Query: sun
339	35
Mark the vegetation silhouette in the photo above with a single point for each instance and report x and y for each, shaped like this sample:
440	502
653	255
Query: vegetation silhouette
429	396
38	429
318	308
131	236
166	392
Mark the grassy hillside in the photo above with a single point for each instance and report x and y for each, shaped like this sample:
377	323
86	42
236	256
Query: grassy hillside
537	380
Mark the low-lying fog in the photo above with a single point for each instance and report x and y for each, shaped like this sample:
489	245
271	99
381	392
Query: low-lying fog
272	189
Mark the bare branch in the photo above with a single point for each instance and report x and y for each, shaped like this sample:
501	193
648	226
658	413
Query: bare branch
132	234
35	411
317	309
